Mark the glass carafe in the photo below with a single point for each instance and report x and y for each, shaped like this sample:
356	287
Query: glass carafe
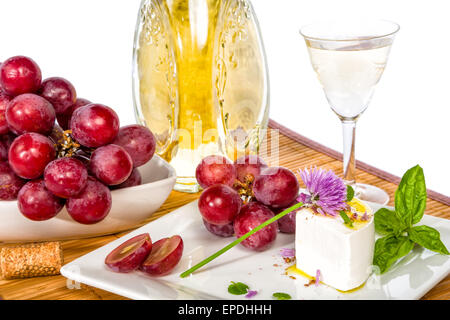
200	81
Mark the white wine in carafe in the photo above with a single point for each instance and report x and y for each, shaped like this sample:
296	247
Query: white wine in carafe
200	81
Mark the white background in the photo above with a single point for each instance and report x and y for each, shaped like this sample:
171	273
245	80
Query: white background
90	43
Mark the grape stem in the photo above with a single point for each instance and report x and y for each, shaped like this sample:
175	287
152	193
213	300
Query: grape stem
237	241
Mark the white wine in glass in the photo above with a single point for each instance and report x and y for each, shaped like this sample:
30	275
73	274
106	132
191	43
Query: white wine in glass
349	58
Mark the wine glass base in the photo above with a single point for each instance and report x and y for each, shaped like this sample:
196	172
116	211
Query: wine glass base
371	193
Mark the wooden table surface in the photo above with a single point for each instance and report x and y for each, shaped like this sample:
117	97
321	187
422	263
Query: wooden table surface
294	153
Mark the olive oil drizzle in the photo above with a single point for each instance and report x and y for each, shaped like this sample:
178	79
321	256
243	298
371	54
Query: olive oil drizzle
294	269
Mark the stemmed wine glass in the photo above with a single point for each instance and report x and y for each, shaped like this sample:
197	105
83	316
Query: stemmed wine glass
349	58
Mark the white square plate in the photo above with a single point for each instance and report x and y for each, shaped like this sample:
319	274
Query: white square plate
410	278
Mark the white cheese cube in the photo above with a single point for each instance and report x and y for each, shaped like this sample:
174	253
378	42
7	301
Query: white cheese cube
343	255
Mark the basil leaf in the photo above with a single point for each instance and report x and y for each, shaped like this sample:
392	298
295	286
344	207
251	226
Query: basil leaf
428	238
389	249
411	197
281	296
350	193
387	222
237	288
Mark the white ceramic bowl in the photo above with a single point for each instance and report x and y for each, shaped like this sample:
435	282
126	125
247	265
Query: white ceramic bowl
130	206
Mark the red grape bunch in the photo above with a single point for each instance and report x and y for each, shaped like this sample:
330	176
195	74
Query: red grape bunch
239	196
59	150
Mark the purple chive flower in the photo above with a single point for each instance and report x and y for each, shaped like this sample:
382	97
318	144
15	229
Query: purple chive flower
327	192
287	253
305	198
251	294
365	217
317	282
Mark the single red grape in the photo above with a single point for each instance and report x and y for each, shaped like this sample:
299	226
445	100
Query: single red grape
29	154
276	187
10	183
219	204
4	101
64	118
60	92
92	205
30	113
249	165
215	169
37	203
252	215
65	177
111	164
20	75
287	223
94	125
135	179
224	231
138	141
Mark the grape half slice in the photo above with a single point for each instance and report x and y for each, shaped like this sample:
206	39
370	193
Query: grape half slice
130	254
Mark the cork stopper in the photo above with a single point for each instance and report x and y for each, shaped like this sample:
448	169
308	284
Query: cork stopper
30	260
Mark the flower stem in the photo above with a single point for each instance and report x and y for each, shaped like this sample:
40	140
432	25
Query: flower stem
237	241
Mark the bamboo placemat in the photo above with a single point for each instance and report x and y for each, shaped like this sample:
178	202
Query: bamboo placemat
295	152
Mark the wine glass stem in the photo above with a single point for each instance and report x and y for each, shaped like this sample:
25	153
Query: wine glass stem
348	130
